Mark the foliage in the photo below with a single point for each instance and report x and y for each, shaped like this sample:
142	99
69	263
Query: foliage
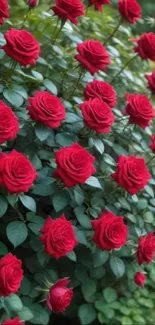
100	279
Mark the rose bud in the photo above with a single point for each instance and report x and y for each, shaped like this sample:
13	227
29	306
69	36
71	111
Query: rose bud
140	279
59	297
32	3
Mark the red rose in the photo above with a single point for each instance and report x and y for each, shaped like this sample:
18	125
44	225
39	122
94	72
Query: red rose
59	297
146	46
139	109
152	144
21	46
69	9
16	172
131	174
93	56
32	3
97	115
4	11
102	90
146	248
98	3
140	279
9	123
151	81
110	231
11	274
15	321
74	165
130	10
47	109
58	236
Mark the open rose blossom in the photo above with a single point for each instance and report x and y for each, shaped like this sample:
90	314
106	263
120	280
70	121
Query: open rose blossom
58	236
15	321
69	9
74	165
130	10
93	56
146	248
152	144
21	46
151	81
59	297
9	126
131	174
102	90
47	109
98	3
139	109
97	115
110	231
32	3
146	46
16	172
4	11
11	274
140	279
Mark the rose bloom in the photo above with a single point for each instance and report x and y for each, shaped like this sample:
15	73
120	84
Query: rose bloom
11	274
146	248
74	165
98	3
146	46
152	144
132	173
32	3
140	279
139	109
4	11
9	126
47	109
58	236
130	10
21	46
59	297
151	81
93	56
97	115
69	9
15	321
101	89
16	172
110	231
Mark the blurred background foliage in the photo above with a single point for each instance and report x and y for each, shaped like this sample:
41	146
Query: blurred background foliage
101	296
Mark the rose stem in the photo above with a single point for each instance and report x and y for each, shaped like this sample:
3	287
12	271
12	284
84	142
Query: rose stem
25	18
58	32
77	82
124	66
150	160
114	31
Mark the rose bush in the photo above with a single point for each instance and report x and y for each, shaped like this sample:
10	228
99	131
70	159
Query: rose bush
77	187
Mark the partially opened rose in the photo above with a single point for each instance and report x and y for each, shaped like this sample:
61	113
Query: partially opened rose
99	3
21	46
69	9
130	10
146	248
15	321
93	56
146	46
151	81
59	297
140	279
4	11
9	125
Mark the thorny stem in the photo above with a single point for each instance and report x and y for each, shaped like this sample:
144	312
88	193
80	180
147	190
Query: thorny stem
25	18
124	66
114	31
77	82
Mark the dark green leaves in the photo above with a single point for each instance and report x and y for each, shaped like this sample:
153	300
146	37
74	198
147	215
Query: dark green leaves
28	202
117	266
16	232
86	314
3	205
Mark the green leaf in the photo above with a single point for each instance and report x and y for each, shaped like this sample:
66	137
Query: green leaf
60	200
13	98
3	249
25	314
109	160
79	196
26	287
110	295
14	303
65	139
82	218
126	321
16	232
94	182
28	202
149	190
3	205
88	289
40	315
72	256
100	257
148	217
81	238
42	132
44	190
87	314
20	90
117	266
50	86
71	118
99	145
2	40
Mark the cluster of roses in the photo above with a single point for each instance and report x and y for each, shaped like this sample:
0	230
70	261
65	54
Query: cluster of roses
74	163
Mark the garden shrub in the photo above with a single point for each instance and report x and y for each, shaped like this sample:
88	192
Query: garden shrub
77	167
